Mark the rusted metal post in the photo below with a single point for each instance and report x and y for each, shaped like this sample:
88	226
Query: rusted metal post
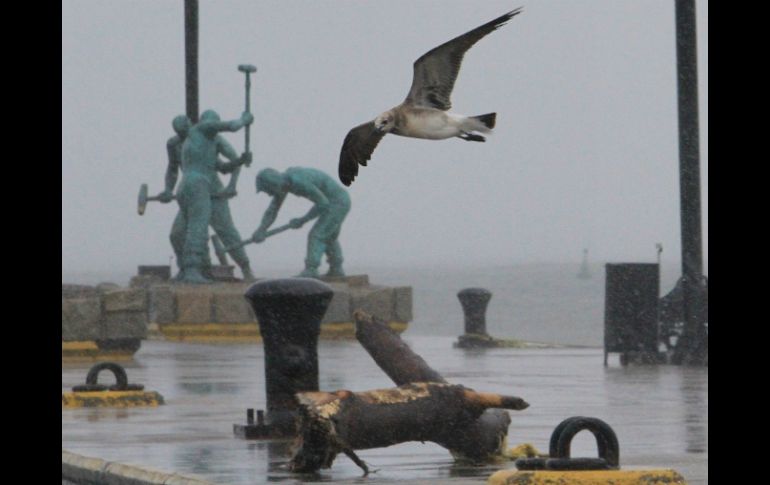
289	312
692	346
191	57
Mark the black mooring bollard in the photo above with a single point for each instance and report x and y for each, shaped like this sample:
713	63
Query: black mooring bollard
289	312
474	302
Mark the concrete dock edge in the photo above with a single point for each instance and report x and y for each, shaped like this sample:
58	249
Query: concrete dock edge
86	470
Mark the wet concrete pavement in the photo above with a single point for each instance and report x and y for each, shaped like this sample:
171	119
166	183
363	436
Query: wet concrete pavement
660	413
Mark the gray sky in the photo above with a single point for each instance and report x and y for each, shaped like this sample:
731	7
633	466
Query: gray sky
584	153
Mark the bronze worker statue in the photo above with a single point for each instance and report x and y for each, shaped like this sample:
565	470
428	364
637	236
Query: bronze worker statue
331	203
202	198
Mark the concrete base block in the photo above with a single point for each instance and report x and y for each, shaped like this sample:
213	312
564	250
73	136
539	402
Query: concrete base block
231	307
122	325
193	305
350	280
375	300
125	300
403	303
339	307
80	319
146	281
162	304
78	291
107	286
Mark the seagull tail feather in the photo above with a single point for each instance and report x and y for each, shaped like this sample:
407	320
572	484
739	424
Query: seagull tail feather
487	122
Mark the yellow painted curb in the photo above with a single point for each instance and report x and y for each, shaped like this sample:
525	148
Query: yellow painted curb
115	399
211	332
88	351
249	332
84	348
590	477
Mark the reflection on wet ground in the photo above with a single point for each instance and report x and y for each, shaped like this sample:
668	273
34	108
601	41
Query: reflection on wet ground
660	414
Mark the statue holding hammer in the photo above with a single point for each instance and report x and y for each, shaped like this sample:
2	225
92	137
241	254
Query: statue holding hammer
198	188
220	220
192	210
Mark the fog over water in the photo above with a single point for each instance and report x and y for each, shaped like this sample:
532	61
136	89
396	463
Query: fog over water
584	154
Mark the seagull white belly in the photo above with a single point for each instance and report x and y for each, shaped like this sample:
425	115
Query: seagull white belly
433	126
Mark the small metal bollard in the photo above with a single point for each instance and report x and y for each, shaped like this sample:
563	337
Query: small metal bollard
256	430
474	302
289	313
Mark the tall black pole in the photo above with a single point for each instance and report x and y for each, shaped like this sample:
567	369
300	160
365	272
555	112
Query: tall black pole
692	346
191	57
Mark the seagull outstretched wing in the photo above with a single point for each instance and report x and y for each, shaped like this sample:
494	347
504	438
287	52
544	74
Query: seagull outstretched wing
436	71
357	149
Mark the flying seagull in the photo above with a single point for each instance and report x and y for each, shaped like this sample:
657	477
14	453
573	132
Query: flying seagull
425	111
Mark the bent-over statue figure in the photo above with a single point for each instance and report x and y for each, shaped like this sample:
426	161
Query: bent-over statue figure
331	203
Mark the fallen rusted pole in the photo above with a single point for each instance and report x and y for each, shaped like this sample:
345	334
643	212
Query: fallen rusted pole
480	440
343	421
390	353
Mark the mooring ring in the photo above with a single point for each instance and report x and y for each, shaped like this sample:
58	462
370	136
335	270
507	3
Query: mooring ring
606	439
121	379
554	441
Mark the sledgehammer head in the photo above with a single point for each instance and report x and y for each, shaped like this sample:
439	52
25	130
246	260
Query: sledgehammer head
247	68
142	199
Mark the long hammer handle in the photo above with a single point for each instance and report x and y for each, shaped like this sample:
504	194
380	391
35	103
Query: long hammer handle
247	69
271	232
156	198
248	109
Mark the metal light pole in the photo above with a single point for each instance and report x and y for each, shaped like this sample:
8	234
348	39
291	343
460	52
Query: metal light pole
692	347
191	57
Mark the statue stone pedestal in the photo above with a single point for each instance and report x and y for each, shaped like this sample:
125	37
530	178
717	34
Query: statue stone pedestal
220	312
109	321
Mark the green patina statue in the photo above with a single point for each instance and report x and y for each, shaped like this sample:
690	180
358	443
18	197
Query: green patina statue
203	200
331	204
